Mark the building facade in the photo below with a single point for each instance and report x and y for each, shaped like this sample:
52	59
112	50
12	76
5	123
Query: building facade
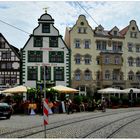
46	51
103	58
81	42
131	55
9	64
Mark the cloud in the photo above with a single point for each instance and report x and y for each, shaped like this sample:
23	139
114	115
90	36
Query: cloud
25	14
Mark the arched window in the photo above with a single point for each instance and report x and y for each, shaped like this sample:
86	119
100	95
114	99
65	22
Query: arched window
87	75
137	62
131	75
87	59
107	75
138	76
77	75
130	61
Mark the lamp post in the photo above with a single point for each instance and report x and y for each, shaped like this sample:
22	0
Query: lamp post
44	99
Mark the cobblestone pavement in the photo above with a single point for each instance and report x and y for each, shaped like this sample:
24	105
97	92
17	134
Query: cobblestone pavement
23	121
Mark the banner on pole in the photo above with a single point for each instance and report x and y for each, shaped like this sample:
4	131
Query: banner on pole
45	111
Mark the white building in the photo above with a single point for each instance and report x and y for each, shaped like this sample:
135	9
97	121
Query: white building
9	64
45	47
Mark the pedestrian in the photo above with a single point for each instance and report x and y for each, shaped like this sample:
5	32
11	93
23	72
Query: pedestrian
69	106
94	104
103	104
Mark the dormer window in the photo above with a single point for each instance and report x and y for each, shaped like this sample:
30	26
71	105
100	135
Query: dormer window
46	28
115	33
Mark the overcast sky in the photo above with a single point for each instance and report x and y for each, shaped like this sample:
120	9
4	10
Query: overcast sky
24	15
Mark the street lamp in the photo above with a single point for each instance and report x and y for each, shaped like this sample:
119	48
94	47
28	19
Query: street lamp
131	95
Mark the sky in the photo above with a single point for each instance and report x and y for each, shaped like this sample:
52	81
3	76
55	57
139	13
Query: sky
25	15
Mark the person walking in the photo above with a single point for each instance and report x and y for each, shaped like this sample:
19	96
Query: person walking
69	106
103	104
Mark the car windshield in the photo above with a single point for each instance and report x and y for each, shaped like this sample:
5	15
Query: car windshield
4	104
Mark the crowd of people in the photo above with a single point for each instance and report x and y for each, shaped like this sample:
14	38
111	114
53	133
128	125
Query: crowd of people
55	106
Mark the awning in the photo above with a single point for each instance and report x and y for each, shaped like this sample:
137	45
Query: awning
18	89
64	89
134	90
109	90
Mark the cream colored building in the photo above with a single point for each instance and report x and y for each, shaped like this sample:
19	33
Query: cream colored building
99	58
81	42
131	54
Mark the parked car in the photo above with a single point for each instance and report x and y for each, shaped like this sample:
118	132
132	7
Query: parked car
5	110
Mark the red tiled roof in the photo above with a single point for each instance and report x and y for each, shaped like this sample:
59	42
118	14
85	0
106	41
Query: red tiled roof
124	30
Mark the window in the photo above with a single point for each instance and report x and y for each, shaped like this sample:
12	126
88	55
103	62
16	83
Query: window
38	41
2	44
117	60
6	55
53	41
87	75
137	47
115	76
56	56
7	79
2	80
35	56
106	60
133	34
77	43
130	61
115	33
13	79
77	75
45	28
101	45
86	44
82	23
59	73
131	75
138	76
32	73
79	30
130	47
47	73
87	59
77	59
98	44
98	60
3	65
107	75
7	65
137	62
117	46
82	30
